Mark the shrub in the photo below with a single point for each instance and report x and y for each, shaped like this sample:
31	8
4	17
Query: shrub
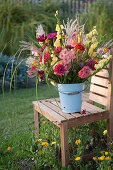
7	68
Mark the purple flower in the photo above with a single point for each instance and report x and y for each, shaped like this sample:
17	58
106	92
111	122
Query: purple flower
41	38
69	47
84	112
91	64
53	35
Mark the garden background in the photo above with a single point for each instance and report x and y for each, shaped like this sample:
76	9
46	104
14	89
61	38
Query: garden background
18	147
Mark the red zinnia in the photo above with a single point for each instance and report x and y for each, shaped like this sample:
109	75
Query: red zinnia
59	69
79	47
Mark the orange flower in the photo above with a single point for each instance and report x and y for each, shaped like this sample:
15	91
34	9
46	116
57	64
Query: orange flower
47	41
34	62
9	148
106	49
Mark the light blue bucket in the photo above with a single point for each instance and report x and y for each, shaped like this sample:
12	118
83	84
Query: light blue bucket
70	97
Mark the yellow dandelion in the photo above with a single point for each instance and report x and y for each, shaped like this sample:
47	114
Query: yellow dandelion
53	143
77	158
44	122
108	158
9	148
77	141
106	153
45	144
104	132
101	158
94	158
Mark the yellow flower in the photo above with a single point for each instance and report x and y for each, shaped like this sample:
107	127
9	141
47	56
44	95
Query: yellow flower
53	83
89	35
57	28
44	122
101	158
106	153
57	43
9	148
58	36
53	143
61	26
94	158
77	158
45	144
56	13
95	32
105	132
108	158
77	141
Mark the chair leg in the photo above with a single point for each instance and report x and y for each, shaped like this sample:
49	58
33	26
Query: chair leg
37	123
110	130
64	144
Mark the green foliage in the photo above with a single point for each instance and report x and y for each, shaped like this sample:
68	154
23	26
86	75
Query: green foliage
18	21
100	14
7	67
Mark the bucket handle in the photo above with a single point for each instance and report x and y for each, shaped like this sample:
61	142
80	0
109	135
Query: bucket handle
73	93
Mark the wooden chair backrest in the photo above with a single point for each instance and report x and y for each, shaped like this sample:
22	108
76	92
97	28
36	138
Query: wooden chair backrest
100	88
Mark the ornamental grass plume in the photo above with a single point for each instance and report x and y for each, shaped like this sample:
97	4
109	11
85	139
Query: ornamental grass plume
67	55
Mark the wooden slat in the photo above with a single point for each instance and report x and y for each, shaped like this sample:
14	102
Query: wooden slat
103	73
99	90
85	96
98	99
93	107
100	81
48	113
88	119
57	109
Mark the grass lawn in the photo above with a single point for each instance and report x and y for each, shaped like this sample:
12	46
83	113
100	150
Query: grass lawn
17	132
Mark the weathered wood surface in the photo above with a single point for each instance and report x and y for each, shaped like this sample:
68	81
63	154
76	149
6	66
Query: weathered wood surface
51	109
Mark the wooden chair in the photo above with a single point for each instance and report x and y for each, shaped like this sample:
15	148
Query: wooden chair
100	92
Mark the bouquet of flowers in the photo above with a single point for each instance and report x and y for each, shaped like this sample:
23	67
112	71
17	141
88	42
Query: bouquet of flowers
68	55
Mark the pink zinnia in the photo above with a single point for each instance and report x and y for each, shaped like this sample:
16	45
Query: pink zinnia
53	35
59	69
46	57
57	50
84	72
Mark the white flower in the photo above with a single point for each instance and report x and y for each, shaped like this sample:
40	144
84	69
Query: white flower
29	61
39	31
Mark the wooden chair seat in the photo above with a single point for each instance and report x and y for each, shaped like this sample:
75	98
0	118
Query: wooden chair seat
51	109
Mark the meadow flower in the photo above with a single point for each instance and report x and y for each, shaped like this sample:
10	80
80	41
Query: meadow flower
39	30
77	159
35	53
105	132
59	69
53	143
45	144
108	158
94	158
84	72
77	141
9	148
106	153
44	122
101	158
